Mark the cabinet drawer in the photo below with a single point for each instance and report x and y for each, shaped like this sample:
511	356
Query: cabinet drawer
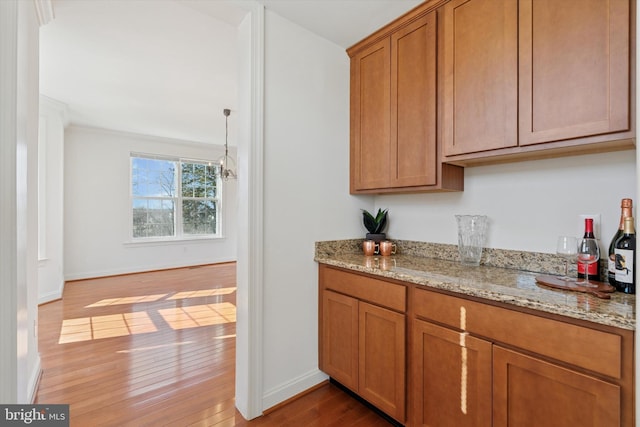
588	348
364	288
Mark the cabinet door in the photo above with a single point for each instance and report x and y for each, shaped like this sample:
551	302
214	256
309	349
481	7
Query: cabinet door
340	338
480	75
574	69
413	104
451	378
382	359
529	392
370	116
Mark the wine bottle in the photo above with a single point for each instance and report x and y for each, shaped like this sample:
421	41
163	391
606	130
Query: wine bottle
626	206
625	253
593	269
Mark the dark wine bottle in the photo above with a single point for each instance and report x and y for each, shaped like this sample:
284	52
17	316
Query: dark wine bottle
626	206
625	254
593	269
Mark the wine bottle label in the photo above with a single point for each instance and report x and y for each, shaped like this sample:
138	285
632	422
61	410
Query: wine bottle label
612	264
624	265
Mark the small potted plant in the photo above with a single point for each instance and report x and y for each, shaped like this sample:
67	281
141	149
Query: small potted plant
375	224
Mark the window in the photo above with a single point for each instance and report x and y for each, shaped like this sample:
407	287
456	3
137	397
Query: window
174	198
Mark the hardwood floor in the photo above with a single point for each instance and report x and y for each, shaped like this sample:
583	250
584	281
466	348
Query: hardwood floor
158	349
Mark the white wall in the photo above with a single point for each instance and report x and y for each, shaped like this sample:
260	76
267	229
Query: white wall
28	106
19	358
50	199
529	203
306	149
306	195
96	200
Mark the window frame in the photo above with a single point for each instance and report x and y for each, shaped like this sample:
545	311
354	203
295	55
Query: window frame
179	235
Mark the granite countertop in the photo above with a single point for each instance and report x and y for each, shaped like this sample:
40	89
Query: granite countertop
504	285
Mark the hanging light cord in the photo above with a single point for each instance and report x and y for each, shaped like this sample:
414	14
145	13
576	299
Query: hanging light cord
225	170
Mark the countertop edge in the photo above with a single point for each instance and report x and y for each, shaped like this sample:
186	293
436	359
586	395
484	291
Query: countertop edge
441	282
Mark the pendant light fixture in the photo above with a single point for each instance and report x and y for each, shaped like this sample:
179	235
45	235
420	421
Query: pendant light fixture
226	162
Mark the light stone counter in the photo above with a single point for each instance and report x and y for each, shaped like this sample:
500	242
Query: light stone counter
436	266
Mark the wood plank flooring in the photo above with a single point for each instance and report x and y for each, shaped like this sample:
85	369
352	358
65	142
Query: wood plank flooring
158	349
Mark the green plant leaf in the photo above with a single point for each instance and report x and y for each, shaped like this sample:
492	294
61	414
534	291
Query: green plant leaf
381	220
374	225
369	221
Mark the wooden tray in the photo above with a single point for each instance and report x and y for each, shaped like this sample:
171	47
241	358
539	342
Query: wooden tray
602	290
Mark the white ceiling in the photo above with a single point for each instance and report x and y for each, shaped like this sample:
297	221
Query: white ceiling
168	67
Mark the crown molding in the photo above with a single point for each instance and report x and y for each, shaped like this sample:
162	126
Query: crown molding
58	107
215	148
44	10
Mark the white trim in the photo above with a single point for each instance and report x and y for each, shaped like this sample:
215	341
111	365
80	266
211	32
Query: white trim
51	296
32	387
56	106
249	341
291	388
158	241
256	215
154	138
42	188
8	220
44	10
143	268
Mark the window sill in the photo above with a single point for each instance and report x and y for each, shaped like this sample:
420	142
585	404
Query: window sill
172	241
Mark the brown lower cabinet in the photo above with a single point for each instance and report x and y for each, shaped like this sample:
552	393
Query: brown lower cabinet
451	377
529	391
363	338
461	361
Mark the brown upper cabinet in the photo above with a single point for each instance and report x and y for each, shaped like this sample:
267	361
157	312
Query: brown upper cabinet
574	69
480	55
393	112
466	82
525	79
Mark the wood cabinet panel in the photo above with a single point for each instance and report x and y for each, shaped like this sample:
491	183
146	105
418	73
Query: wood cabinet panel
525	79
339	328
414	154
394	146
382	359
529	392
362	345
559	340
370	117
471	363
574	69
480	57
365	288
451	378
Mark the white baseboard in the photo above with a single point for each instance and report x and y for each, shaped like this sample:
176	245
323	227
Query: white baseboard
291	388
34	380
139	269
51	296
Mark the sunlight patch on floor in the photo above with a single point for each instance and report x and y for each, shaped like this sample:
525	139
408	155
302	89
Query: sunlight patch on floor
199	315
113	325
139	322
126	300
